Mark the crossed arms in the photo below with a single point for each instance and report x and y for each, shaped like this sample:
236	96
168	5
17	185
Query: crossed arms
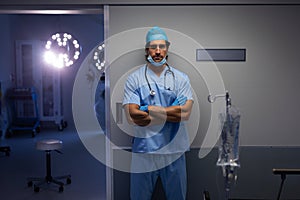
158	114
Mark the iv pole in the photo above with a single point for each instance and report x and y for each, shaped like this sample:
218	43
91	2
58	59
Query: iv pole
225	160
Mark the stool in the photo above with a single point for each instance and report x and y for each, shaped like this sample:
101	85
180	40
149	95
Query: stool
48	146
283	173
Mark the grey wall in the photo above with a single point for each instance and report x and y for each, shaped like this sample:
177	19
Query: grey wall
265	87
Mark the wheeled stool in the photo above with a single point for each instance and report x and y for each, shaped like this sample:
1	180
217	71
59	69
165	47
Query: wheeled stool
48	146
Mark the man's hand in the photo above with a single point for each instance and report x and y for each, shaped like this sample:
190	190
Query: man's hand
179	101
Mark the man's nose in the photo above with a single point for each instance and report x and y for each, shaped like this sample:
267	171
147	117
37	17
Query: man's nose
157	50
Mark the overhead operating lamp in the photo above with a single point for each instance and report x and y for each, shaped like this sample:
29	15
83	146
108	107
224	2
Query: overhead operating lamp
99	58
62	50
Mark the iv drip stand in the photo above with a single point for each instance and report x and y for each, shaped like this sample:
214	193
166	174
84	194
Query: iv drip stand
212	99
228	170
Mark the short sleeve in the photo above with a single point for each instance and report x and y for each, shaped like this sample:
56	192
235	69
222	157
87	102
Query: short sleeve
131	94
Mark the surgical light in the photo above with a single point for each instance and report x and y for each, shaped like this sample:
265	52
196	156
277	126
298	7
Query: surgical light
62	50
99	58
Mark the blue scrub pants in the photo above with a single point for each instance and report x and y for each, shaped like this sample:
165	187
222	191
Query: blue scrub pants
173	179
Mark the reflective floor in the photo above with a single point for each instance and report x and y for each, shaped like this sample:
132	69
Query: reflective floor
87	173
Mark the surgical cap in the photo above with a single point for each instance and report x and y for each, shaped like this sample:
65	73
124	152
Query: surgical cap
156	33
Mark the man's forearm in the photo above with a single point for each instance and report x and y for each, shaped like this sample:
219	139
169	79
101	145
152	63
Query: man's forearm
172	113
157	114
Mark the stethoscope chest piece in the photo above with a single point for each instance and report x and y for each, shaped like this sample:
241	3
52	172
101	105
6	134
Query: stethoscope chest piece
152	92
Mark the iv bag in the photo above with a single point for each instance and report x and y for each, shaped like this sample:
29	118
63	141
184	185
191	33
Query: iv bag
229	139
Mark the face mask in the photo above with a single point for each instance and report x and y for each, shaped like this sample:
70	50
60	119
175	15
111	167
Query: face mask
156	64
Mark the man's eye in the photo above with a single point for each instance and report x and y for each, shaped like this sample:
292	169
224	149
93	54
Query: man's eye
160	46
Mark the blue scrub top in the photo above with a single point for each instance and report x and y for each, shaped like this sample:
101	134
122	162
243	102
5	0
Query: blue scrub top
168	137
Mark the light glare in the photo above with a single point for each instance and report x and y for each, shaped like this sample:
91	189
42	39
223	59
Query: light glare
62	51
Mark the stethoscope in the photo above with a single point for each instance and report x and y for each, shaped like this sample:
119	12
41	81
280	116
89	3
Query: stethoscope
152	92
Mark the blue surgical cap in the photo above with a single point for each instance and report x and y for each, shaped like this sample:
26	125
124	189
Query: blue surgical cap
156	33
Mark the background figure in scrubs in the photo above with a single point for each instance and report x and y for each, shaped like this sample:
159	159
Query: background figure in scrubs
158	100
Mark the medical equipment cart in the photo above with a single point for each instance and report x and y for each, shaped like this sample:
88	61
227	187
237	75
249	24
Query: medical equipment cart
23	111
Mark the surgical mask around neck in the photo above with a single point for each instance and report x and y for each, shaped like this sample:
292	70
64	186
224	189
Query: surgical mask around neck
156	64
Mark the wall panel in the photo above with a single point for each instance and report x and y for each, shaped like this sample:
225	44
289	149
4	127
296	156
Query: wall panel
264	87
